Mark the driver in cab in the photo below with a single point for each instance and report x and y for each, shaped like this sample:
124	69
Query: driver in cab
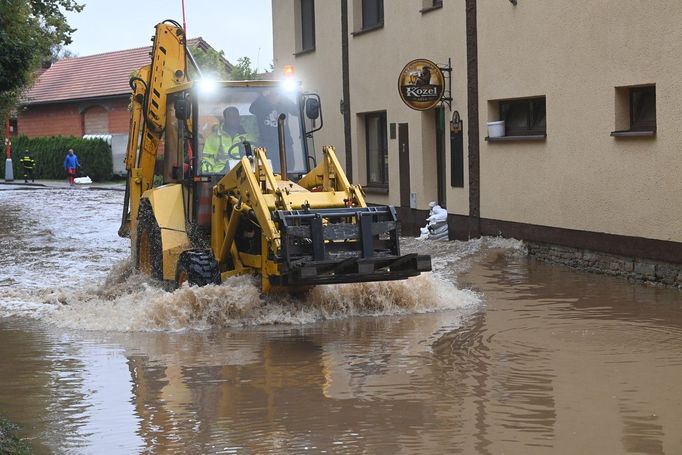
225	143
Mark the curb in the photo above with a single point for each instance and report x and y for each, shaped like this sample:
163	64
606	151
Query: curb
17	183
38	186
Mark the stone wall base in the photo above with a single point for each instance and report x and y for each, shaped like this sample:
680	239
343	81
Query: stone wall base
632	268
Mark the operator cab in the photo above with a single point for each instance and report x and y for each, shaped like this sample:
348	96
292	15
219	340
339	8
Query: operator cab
217	125
232	121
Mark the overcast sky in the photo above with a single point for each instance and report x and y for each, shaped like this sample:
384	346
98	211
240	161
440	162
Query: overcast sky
238	27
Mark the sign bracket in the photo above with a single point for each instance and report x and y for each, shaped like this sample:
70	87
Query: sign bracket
447	68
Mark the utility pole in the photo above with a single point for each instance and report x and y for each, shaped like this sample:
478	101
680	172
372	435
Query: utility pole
9	172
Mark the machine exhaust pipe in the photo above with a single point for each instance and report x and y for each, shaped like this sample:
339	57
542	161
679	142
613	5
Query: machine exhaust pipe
282	146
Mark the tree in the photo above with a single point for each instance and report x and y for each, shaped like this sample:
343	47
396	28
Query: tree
29	31
211	62
242	71
59	52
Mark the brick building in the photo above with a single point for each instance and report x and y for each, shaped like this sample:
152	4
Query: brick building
85	95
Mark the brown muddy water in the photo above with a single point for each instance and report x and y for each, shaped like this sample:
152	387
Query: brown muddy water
492	353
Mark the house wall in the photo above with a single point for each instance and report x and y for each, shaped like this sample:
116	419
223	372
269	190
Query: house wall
319	70
74	119
579	186
408	34
576	54
376	59
50	120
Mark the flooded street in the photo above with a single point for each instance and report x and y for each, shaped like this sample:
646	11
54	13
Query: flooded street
492	353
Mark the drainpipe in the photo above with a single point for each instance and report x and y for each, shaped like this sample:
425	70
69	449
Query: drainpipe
473	133
346	90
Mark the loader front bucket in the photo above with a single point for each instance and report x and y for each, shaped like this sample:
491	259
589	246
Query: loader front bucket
342	245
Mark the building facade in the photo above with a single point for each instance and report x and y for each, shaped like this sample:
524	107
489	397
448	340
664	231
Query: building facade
587	92
86	95
82	95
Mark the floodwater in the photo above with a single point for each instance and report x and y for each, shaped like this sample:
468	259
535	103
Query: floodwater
492	353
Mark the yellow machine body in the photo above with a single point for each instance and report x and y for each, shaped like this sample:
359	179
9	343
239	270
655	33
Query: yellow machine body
291	225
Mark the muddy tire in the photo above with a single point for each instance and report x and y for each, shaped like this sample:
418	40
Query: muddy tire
198	268
149	253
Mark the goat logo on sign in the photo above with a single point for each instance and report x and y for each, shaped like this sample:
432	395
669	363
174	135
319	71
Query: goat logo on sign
421	84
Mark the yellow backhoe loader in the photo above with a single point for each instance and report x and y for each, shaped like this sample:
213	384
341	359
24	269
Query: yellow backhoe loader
220	183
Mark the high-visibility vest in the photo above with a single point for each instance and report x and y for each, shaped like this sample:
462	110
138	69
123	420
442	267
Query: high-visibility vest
215	153
27	162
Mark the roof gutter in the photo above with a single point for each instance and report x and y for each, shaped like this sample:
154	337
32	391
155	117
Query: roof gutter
73	100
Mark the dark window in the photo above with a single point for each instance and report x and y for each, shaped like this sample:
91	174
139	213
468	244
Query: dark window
307	25
13	127
430	5
377	149
643	109
372	13
524	117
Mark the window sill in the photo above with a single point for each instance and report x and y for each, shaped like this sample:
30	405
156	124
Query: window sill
303	52
368	29
530	137
375	189
629	133
430	8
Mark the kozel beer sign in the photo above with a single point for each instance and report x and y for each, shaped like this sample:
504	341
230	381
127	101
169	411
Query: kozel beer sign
421	84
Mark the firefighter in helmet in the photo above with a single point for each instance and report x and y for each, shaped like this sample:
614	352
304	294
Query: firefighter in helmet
28	164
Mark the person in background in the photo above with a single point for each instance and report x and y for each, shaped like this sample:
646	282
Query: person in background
28	164
267	108
71	164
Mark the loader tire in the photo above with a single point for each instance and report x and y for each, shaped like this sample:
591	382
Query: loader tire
198	268
149	252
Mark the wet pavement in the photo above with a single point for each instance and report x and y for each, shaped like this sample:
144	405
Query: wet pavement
492	353
117	185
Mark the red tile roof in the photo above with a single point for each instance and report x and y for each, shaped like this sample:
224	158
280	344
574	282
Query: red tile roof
93	76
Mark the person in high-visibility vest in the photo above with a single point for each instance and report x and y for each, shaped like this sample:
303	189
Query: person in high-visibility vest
28	164
226	143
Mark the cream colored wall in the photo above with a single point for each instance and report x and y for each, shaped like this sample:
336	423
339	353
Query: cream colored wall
376	59
319	70
576	54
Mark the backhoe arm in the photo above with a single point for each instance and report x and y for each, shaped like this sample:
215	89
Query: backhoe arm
148	113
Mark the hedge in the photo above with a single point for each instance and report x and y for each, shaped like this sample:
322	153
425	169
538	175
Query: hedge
94	156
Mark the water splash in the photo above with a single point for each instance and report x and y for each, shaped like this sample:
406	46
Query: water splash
59	270
128	301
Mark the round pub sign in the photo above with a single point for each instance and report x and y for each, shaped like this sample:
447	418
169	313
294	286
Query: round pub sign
421	84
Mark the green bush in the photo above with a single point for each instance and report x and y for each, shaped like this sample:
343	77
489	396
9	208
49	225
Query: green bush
94	156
